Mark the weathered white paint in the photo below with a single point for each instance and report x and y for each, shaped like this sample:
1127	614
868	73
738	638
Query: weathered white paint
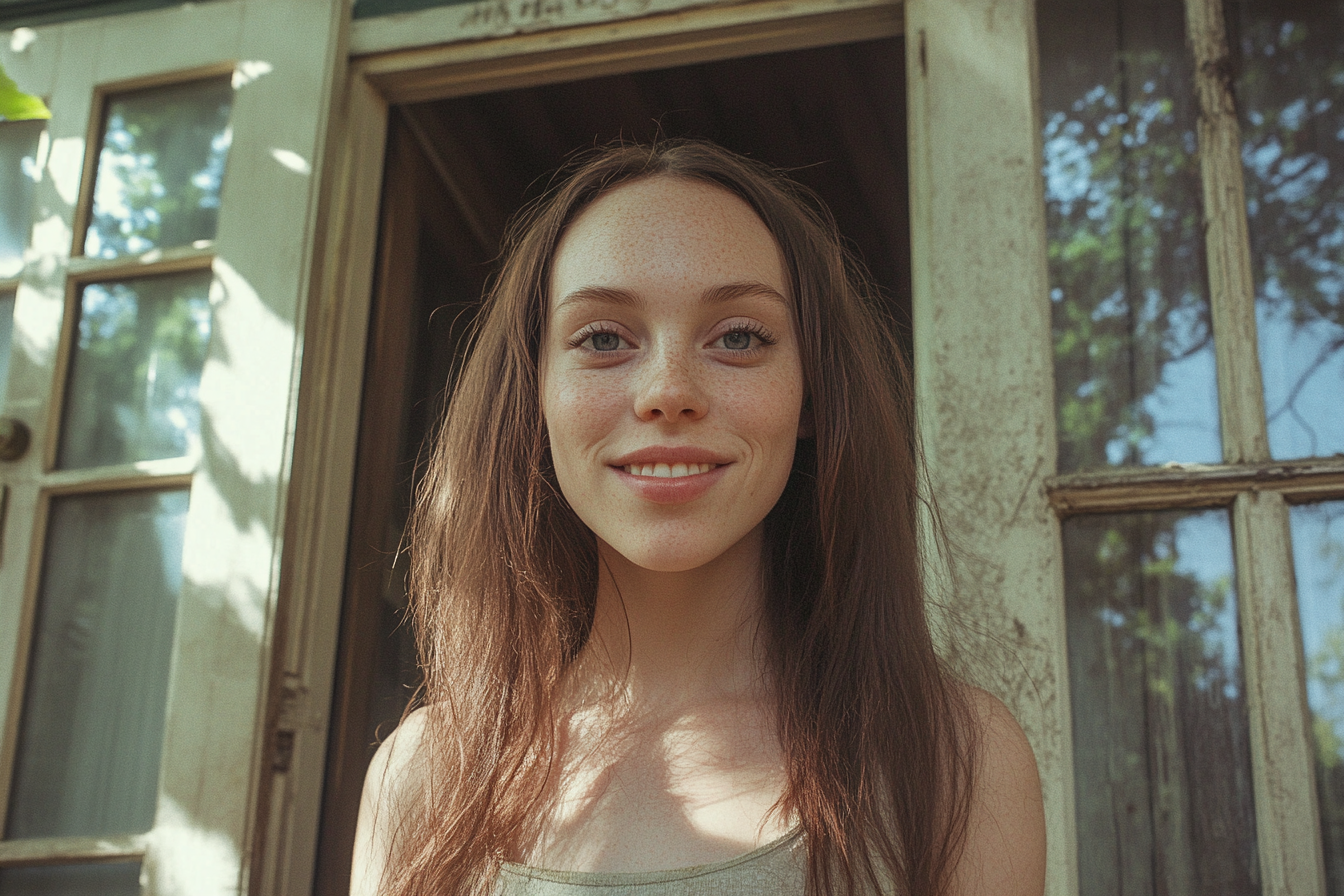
703	34
983	367
500	18
1227	238
318	528
1291	861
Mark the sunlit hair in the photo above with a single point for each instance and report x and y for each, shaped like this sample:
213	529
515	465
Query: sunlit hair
876	737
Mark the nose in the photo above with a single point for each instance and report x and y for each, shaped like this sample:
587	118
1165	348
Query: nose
669	387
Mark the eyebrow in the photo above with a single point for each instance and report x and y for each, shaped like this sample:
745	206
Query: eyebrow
595	295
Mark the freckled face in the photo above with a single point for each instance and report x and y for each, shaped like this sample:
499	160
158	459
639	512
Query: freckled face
671	382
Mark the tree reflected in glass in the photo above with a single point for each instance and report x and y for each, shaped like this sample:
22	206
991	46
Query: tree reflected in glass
1134	365
1161	742
136	371
160	168
1290	96
1318	561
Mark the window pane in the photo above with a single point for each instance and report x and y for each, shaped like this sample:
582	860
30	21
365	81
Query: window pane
18	168
6	338
160	167
136	370
1318	557
1290	94
1161	742
1134	365
111	879
89	742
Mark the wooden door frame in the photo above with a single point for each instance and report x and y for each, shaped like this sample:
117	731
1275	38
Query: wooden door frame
338	323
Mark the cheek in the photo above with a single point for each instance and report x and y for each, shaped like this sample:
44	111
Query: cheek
579	413
772	408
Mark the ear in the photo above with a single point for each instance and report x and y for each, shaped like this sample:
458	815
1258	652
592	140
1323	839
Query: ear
806	427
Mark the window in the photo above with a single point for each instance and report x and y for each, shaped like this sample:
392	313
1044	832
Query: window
157	285
1194	183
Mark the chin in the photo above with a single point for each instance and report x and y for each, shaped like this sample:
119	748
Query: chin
673	555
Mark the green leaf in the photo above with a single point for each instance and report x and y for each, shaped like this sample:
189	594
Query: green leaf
15	105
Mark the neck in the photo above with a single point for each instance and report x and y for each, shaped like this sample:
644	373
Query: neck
664	641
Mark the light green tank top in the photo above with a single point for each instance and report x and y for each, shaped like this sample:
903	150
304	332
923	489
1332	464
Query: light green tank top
778	868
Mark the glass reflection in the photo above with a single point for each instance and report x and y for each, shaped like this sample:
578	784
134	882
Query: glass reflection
88	748
1290	95
136	371
103	879
1318	559
159	171
1156	679
18	171
1134	364
6	340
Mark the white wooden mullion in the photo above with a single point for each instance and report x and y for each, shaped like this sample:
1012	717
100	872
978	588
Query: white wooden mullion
1227	239
1283	769
1287	814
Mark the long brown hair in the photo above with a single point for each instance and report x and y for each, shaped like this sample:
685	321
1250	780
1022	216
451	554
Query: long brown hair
877	738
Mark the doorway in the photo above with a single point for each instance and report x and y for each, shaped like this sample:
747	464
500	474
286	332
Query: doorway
834	117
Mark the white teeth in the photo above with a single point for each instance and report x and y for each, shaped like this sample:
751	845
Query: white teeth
668	471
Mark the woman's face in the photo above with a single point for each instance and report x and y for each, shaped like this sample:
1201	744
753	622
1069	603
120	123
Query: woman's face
671	382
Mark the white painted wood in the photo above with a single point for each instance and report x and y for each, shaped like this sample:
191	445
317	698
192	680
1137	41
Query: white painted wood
983	367
683	38
1291	859
38	850
322	485
1231	286
499	18
213	761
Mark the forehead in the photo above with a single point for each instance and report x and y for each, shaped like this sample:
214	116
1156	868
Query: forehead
666	233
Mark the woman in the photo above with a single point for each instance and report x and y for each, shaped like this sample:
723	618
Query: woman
666	577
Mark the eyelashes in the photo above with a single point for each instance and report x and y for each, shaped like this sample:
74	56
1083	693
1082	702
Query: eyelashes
750	330
599	331
602	337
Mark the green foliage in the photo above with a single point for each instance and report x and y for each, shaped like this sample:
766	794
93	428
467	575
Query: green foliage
141	349
160	169
15	105
1125	249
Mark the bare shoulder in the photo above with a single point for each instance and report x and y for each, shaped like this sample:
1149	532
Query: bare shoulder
1005	841
390	785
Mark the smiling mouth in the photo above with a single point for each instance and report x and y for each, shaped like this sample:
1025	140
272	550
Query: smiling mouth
668	471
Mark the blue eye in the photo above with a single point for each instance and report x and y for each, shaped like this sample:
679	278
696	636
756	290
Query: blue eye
738	340
605	342
745	338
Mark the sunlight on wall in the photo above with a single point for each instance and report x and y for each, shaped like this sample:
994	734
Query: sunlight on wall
292	160
232	561
189	861
66	165
21	39
37	316
237	386
250	70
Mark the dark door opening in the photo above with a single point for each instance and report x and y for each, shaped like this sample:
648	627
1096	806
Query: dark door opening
834	117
